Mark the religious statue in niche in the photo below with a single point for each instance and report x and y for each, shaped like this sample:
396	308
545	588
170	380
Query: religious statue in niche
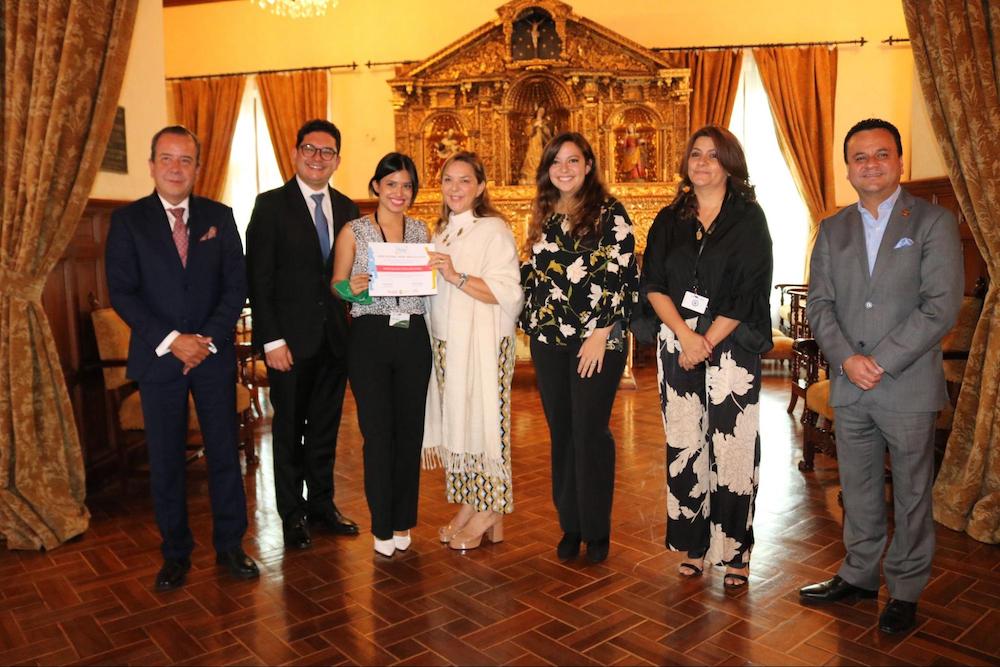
539	131
445	136
635	148
534	36
633	158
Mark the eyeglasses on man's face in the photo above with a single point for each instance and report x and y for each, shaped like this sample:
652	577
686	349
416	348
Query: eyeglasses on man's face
325	153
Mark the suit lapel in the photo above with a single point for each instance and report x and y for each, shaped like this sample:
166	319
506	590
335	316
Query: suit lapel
299	214
198	225
857	231
899	223
159	226
300	217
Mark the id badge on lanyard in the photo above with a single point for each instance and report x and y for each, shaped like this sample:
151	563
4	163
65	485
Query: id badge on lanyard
692	300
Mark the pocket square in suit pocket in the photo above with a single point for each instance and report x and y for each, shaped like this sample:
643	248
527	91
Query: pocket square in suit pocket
213	232
904	242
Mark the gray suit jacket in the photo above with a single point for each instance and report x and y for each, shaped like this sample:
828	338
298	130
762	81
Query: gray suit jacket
899	314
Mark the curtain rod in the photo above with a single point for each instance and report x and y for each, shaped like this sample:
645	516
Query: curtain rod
370	64
861	41
890	40
351	65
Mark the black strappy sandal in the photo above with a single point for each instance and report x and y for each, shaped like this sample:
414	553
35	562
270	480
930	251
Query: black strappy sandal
733	581
689	570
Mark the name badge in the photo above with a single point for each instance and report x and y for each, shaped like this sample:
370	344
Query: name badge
695	302
401	320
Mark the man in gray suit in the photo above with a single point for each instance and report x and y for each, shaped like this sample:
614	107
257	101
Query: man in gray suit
885	286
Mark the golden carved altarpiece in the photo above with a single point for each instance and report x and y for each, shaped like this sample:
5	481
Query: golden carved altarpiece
537	70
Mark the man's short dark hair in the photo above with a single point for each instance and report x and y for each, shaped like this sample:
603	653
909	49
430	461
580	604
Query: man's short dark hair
318	125
181	131
871	124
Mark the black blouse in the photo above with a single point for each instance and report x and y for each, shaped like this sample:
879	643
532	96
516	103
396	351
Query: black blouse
572	287
734	270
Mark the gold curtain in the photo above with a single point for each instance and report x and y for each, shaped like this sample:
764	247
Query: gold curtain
290	99
63	64
209	107
956	53
801	84
715	76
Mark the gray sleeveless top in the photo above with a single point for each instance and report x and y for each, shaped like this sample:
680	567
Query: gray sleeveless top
366	231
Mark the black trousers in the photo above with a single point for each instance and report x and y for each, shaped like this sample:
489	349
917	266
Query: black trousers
308	400
389	369
165	413
583	450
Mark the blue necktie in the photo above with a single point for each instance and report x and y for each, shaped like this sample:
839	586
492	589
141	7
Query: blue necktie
321	228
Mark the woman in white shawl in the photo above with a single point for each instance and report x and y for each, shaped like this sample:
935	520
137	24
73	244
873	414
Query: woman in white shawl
472	321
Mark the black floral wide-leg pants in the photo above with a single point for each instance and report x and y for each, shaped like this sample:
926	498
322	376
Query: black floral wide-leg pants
711	416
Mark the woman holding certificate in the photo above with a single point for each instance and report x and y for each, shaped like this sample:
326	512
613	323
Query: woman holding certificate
473	318
388	360
579	285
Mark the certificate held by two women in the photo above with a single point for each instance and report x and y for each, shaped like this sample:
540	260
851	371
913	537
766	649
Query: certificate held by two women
400	269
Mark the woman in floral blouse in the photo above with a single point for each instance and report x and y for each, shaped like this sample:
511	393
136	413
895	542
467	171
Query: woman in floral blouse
579	287
707	274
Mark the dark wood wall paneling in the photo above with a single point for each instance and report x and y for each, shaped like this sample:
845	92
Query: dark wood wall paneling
940	192
76	278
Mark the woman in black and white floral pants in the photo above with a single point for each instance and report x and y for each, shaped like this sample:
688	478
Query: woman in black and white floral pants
707	275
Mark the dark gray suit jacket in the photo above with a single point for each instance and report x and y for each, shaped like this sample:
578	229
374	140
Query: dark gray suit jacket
899	314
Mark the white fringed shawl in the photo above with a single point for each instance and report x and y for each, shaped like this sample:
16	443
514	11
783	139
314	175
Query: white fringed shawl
462	426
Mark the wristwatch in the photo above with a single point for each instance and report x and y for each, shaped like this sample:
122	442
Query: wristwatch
462	279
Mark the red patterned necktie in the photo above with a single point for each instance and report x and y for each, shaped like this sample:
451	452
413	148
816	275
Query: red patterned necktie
180	234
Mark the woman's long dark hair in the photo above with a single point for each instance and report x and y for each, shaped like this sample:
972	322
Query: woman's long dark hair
732	160
390	164
585	218
482	207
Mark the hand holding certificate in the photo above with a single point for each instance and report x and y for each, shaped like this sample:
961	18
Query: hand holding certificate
400	269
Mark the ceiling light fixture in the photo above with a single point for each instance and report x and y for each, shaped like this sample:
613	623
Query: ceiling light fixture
296	9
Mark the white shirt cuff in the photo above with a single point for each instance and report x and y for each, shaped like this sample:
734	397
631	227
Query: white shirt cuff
274	345
164	347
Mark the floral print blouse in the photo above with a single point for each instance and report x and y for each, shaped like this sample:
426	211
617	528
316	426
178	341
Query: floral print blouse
573	286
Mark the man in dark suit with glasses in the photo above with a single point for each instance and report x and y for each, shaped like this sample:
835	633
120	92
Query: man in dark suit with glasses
302	330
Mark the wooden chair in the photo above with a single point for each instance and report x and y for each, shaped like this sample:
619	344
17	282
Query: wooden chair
126	424
798	329
253	369
817	415
785	307
782	350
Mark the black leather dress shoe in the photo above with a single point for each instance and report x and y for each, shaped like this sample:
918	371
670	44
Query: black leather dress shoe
597	550
569	546
296	534
238	563
897	617
172	574
335	522
834	590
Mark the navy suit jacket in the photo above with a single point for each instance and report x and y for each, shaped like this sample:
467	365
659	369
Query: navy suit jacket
289	281
155	294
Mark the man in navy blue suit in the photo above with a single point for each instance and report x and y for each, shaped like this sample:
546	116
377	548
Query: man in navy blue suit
176	276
